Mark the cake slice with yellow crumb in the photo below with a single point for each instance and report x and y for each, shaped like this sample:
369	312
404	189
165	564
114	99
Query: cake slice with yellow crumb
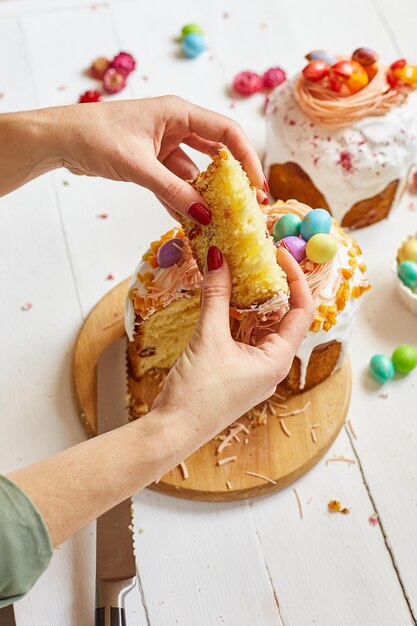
238	229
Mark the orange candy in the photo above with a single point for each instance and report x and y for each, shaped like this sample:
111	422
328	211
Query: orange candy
347	77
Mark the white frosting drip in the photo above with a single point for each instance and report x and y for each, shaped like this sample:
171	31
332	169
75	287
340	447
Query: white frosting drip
342	330
346	165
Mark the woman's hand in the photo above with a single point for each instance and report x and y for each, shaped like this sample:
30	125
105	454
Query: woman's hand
134	140
216	380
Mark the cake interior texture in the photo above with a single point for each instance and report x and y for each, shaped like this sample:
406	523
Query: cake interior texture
238	229
159	342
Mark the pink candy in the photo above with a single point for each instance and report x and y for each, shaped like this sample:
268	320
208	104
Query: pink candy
247	83
123	63
274	77
113	82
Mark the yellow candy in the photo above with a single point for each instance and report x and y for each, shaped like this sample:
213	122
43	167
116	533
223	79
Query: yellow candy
321	248
408	251
408	74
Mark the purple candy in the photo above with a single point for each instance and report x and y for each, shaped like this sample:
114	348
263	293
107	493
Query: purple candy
296	246
170	252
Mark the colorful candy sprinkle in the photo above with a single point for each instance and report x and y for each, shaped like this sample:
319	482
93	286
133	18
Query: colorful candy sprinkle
191	28
90	96
193	45
98	67
408	251
246	83
321	248
316	70
404	358
296	246
170	252
407	272
316	221
347	77
381	368
273	77
288	225
113	82
123	63
321	55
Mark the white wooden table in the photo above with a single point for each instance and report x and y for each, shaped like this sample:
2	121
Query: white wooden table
240	564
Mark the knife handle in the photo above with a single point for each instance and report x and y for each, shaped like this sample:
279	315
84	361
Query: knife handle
110	602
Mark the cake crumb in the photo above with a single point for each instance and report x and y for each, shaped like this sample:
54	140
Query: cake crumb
26	307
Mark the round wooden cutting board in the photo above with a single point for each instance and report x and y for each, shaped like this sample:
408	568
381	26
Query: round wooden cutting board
266	449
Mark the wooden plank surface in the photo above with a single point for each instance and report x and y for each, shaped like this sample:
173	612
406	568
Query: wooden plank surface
55	252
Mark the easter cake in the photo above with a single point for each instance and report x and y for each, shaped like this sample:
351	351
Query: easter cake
162	306
342	135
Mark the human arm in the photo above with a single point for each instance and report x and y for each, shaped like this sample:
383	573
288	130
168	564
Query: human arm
214	382
133	140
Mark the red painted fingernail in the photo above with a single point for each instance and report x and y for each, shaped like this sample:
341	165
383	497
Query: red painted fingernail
266	186
214	259
200	213
265	200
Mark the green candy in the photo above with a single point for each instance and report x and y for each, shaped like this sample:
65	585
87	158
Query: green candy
191	28
404	358
381	368
287	226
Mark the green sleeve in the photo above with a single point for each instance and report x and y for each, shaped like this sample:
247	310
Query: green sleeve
25	544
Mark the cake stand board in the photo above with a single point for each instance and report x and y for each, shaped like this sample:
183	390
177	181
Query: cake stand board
267	450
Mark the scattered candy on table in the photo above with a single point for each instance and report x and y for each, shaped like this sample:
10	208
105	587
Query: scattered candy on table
123	63
288	225
408	251
191	28
273	77
113	73
90	96
193	45
381	368
404	358
296	246
407	273
99	66
170	252
113	82
247	83
316	221
321	248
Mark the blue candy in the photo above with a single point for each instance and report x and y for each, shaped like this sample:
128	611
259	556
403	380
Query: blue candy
407	272
193	44
315	222
321	55
381	368
287	226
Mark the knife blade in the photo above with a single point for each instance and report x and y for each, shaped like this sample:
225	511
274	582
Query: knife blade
115	558
7	617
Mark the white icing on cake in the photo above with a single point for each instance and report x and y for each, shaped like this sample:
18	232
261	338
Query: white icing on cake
345	165
342	330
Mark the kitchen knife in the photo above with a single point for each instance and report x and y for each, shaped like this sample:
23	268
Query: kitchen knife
115	559
7	616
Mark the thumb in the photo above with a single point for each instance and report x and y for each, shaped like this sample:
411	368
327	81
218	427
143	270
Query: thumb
215	298
179	195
